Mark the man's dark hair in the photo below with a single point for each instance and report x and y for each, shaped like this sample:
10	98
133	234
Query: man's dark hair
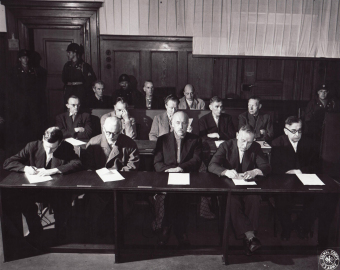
256	98
73	96
53	134
215	99
98	82
247	128
292	119
171	97
122	100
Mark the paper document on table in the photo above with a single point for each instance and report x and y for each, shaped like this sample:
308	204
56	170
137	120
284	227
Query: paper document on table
179	179
190	121
310	180
108	175
37	179
263	144
242	182
74	142
218	143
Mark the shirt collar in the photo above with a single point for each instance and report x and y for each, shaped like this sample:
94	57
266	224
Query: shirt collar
72	114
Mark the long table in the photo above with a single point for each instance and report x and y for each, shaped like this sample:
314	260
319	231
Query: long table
200	183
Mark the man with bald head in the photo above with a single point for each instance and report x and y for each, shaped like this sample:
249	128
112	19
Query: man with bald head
112	150
177	151
189	101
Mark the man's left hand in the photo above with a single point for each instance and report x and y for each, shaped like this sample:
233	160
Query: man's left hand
249	174
189	129
262	131
178	169
125	115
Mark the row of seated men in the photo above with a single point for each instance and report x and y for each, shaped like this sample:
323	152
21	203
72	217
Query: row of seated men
176	151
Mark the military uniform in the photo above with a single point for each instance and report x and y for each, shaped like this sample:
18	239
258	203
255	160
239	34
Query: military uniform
78	79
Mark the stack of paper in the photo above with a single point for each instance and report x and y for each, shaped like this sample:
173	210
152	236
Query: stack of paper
242	182
179	179
37	179
108	175
310	180
74	142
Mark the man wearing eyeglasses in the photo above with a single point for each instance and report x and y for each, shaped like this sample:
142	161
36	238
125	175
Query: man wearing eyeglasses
293	154
112	150
50	156
73	123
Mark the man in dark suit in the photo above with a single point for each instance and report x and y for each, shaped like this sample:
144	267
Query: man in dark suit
111	150
126	91
216	125
293	153
150	100
241	157
260	122
177	151
98	99
74	124
50	156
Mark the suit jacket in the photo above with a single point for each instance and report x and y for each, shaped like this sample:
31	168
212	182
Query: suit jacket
128	128
64	158
284	158
157	103
65	123
160	126
263	122
225	127
227	157
124	155
105	103
198	104
166	156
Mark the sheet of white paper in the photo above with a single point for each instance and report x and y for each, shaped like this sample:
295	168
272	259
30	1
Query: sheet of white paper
218	143
74	142
242	182
179	179
109	175
37	179
190	121
310	180
263	144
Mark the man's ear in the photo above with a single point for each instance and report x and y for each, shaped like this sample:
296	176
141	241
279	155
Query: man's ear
236	135
210	105
260	106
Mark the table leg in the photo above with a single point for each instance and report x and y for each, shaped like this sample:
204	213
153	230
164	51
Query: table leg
226	230
118	223
11	227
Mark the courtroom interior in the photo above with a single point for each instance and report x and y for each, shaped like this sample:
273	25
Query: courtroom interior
191	134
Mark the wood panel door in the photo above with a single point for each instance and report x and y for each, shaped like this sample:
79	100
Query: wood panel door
51	44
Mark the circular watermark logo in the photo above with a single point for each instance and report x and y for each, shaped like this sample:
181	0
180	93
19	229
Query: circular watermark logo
329	259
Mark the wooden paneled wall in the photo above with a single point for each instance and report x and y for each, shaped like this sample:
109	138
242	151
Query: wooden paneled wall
169	62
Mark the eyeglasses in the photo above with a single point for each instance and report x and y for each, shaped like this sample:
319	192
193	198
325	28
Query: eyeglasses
294	131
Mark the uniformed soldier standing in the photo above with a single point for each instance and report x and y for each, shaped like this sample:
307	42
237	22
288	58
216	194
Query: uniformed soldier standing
316	110
24	101
77	75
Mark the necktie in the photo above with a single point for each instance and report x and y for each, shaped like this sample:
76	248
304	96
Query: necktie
73	117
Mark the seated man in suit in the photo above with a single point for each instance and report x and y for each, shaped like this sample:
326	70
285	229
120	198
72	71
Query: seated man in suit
293	153
150	101
98	99
189	101
241	157
162	123
261	123
112	150
74	124
128	124
216	125
49	156
177	151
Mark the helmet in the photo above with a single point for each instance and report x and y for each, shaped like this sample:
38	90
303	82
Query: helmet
73	47
123	78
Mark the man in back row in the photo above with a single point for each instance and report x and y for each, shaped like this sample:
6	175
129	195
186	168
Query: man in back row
189	101
261	123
